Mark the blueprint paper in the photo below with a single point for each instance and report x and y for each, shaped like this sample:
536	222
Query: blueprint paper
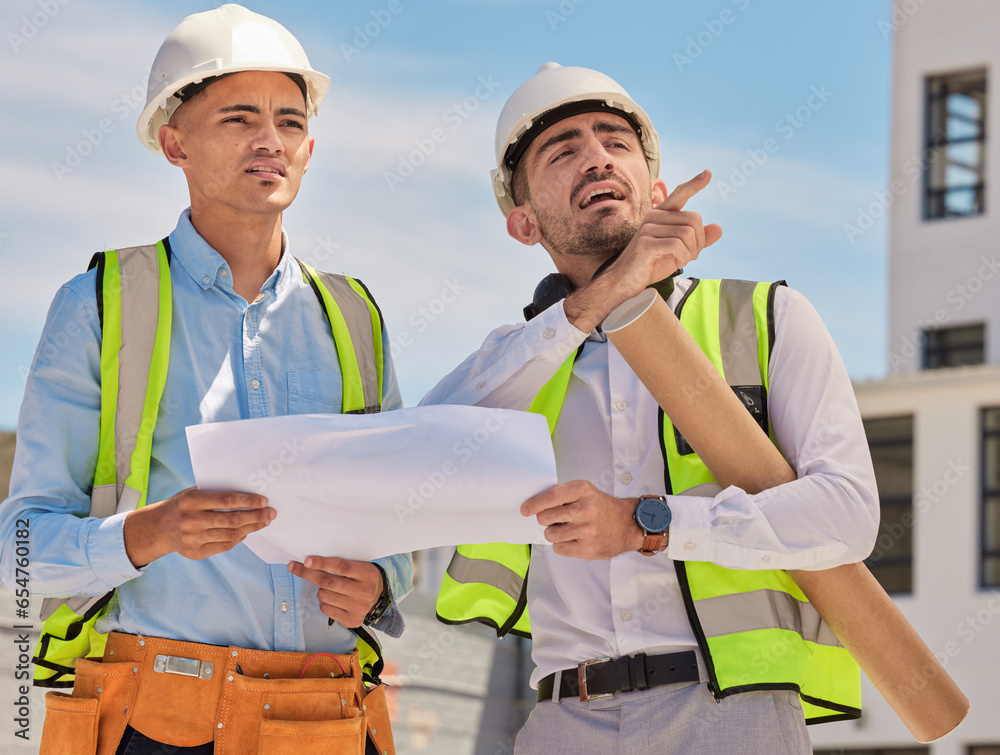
365	486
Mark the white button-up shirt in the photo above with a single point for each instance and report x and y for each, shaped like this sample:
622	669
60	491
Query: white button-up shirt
608	434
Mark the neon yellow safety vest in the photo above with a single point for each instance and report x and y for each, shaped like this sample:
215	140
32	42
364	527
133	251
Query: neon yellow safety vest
134	300
755	629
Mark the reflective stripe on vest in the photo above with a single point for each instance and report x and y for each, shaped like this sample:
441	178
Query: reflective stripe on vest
756	629
136	310
135	351
486	583
350	309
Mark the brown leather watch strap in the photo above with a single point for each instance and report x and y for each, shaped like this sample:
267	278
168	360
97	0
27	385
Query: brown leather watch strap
654	543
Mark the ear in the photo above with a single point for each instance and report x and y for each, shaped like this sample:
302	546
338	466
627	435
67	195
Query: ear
170	143
659	190
523	226
312	143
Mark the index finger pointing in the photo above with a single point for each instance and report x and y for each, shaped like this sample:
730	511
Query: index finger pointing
685	191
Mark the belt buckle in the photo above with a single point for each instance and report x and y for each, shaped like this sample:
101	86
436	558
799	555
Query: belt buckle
581	676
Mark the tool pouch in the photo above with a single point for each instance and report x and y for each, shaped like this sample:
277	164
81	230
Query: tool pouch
93	719
320	715
70	725
250	702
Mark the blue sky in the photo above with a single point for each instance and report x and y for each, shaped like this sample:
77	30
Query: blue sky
787	102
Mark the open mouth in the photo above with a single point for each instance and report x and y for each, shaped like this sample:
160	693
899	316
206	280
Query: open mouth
600	196
265	172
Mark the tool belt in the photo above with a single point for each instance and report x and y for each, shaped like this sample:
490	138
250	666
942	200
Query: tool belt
186	694
605	676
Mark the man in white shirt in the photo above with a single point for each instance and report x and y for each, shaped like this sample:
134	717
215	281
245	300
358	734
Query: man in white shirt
648	600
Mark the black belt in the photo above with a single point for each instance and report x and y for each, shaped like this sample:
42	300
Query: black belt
604	677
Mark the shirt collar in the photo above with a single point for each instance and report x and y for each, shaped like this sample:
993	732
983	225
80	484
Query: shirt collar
207	267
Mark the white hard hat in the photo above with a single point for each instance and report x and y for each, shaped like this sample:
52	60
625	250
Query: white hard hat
225	40
561	92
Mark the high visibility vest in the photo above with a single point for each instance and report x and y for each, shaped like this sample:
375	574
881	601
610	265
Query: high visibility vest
134	300
755	629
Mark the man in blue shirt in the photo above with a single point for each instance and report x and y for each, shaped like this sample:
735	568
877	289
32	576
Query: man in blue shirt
248	339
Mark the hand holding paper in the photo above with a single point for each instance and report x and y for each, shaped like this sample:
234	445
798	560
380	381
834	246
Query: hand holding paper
347	589
582	521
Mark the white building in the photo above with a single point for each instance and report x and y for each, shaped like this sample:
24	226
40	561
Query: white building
934	423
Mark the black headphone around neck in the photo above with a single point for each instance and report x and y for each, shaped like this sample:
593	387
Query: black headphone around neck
555	287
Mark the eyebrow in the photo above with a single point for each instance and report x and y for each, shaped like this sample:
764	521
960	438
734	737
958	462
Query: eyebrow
600	127
256	110
562	136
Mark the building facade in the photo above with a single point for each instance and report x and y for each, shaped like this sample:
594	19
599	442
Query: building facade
934	423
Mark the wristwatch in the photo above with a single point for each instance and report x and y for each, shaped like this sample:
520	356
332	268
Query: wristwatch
652	514
385	599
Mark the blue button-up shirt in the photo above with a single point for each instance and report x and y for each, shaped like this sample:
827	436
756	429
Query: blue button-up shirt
228	360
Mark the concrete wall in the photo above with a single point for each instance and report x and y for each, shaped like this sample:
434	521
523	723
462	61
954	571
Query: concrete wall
957	620
941	272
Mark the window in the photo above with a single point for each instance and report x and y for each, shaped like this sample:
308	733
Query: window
954	347
955	137
891	443
880	751
990	523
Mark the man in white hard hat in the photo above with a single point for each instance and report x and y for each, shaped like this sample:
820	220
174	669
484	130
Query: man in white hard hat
660	622
204	644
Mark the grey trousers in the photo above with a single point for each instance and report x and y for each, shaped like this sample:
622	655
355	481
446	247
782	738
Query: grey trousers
680	718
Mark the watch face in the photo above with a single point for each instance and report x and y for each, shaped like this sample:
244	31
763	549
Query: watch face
653	515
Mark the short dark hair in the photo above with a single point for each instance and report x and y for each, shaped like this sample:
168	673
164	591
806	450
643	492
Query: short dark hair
520	192
189	92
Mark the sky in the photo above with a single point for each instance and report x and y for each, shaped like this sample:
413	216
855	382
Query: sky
787	102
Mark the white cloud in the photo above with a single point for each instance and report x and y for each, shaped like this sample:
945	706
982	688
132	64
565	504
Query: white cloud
88	54
409	242
781	188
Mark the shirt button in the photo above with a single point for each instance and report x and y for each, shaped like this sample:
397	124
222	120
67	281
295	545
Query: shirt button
689	547
225	273
621	406
206	280
255	384
284	606
481	386
548	333
626	615
626	478
767	559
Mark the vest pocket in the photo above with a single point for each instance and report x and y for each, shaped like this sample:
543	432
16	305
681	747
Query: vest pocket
70	724
314	393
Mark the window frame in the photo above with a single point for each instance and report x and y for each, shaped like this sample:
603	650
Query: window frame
993	553
907	517
943	352
937	89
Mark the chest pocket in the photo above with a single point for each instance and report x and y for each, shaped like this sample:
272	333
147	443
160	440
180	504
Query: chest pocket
314	393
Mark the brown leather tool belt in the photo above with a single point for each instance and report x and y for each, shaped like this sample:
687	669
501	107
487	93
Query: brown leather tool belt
247	701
